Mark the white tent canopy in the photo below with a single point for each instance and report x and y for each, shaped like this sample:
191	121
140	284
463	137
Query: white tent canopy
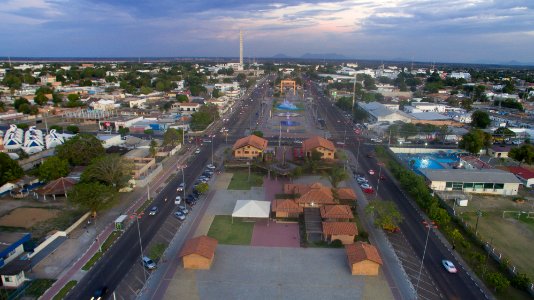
252	209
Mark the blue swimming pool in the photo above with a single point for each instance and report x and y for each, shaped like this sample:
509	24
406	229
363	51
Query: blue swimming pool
430	160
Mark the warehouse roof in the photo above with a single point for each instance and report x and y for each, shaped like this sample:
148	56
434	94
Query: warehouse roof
463	175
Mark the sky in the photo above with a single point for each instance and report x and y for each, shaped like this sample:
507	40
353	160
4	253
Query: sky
422	30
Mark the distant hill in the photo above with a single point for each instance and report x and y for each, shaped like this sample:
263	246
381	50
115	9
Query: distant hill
323	56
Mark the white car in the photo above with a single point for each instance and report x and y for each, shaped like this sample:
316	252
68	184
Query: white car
371	172
178	200
449	266
210	166
361	180
365	186
197	151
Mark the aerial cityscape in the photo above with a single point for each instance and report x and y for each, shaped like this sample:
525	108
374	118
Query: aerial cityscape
260	150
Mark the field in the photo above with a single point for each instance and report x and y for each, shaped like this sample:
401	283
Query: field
238	233
511	236
26	217
240	181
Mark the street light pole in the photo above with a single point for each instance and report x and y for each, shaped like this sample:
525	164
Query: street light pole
212	148
429	225
379	175
137	217
358	155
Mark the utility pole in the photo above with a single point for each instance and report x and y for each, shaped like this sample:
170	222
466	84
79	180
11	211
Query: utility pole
429	225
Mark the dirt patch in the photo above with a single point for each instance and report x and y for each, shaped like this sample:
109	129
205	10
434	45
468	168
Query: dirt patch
26	217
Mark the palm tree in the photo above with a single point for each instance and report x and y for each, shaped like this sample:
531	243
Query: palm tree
336	175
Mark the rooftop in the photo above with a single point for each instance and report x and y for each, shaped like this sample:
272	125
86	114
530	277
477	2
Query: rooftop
336	212
251	140
462	175
359	252
339	228
317	141
201	245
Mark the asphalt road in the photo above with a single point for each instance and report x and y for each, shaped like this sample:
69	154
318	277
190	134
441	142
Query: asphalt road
451	286
118	260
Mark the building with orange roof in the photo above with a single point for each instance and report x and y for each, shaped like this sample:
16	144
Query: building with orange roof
336	213
312	195
363	259
346	195
198	253
249	147
343	231
286	208
321	145
58	187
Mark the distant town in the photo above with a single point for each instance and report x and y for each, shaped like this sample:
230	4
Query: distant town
278	178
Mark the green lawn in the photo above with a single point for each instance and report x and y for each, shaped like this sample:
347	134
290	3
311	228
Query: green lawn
38	286
238	233
63	292
240	181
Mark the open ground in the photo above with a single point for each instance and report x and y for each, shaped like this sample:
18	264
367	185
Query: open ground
26	217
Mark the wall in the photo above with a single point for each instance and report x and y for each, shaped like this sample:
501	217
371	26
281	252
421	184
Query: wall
240	152
345	239
195	261
15	280
422	150
365	267
509	189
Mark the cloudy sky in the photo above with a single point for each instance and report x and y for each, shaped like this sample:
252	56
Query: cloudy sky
425	30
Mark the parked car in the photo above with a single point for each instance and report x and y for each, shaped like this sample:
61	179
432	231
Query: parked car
153	211
178	200
181	187
365	186
99	293
361	179
179	215
183	209
371	172
369	190
449	266
191	201
210	166
148	263
197	151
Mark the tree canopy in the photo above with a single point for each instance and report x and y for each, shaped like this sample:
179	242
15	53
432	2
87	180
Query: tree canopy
53	168
475	140
111	169
81	149
336	175
480	119
9	169
93	196
523	154
173	137
386	214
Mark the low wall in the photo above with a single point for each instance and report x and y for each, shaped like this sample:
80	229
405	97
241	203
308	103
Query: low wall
397	150
143	182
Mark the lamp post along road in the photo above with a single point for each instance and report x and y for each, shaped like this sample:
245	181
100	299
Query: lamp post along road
430	225
379	177
137	217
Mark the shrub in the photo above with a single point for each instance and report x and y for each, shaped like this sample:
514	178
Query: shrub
336	244
520	281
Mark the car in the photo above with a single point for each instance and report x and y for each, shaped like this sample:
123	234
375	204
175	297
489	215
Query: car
148	263
197	151
179	215
210	166
369	190
183	209
361	179
449	266
365	186
370	155
181	187
99	293
191	201
178	200
153	211
382	177
371	172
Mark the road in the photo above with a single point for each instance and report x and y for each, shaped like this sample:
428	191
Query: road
451	286
118	260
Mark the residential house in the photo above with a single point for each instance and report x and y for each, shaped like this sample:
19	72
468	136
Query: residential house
321	145
363	259
198	253
346	195
314	195
286	208
336	213
249	147
525	175
186	108
499	151
343	231
11	268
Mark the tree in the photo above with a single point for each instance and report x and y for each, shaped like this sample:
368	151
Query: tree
81	149
73	129
202	188
523	154
19	102
475	140
56	127
53	168
257	133
112	170
149	131
336	175
23	126
345	103
480	119
40	99
153	148
168	105
521	281
93	196
173	137
124	131
182	98
504	132
498	281
456	237
73	97
479	93
386	214
216	93
9	169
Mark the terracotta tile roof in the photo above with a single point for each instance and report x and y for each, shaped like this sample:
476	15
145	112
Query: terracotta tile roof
317	141
57	187
251	140
339	228
336	212
201	245
359	252
286	205
346	194
314	193
521	172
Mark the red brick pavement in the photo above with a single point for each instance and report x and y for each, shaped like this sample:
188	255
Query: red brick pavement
271	234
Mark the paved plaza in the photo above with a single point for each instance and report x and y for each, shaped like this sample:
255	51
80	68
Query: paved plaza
245	272
271	234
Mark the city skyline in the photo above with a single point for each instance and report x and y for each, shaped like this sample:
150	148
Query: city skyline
473	31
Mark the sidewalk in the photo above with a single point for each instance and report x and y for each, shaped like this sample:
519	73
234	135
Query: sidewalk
104	226
400	285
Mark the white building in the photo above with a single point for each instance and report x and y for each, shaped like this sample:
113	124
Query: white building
378	112
33	141
418	107
460	75
109	140
105	105
13	138
224	87
484	181
53	139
